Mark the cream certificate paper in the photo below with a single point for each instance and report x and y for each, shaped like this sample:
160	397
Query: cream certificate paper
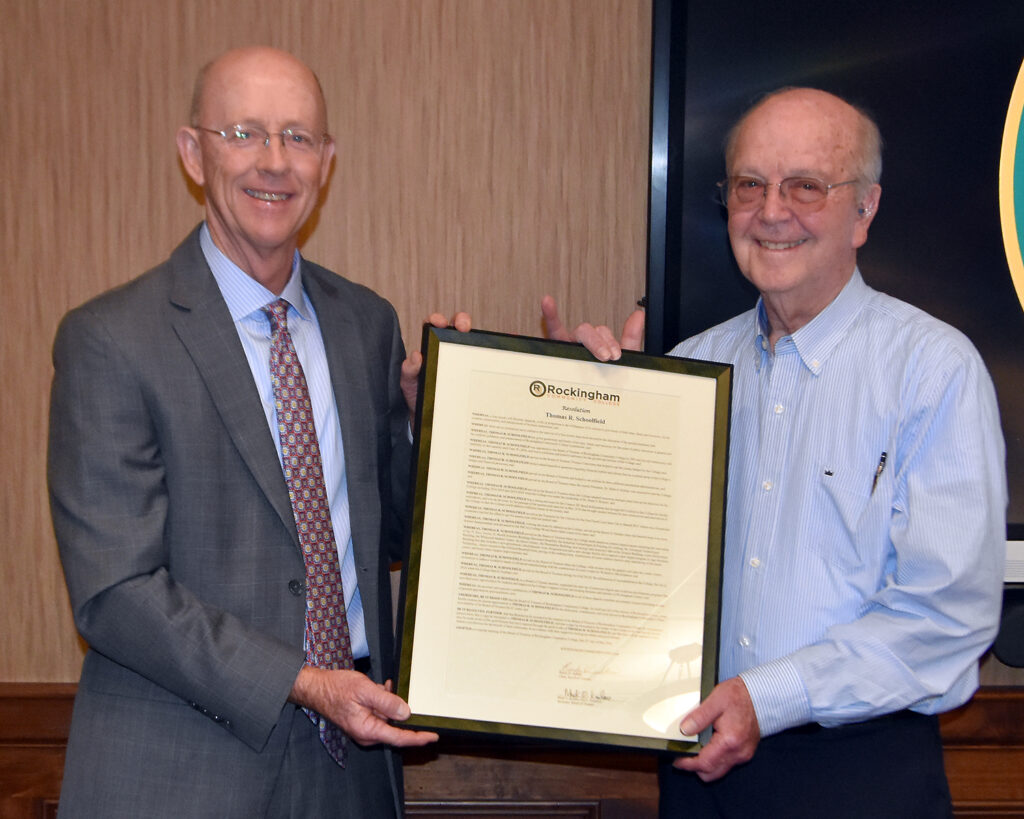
562	565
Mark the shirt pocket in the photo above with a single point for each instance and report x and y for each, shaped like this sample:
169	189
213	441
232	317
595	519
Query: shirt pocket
844	518
846	495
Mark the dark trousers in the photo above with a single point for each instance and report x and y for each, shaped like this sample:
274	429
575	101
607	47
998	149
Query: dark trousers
886	767
310	784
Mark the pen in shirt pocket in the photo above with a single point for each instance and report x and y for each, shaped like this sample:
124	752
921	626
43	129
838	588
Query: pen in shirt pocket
878	471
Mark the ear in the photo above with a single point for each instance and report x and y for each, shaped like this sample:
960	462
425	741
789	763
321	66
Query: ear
867	207
191	153
325	161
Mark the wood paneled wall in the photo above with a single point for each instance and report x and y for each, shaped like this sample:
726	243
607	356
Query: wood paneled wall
983	743
489	151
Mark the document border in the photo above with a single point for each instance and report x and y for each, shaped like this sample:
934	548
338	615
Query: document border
433	340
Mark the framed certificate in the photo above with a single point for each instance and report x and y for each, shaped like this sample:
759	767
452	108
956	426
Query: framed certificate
565	556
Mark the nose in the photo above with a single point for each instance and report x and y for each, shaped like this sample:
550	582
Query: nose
273	156
774	207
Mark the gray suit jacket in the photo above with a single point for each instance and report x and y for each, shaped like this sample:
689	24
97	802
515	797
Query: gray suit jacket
178	541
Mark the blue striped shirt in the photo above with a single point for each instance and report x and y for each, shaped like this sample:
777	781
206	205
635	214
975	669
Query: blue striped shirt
245	298
865	529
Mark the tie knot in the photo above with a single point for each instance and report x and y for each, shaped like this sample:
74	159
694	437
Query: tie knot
277	312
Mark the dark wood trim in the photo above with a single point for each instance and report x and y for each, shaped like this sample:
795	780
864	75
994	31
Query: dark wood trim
984	749
35	712
488	810
34	722
992	717
984	752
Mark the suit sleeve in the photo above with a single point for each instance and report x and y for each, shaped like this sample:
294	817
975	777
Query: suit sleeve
110	503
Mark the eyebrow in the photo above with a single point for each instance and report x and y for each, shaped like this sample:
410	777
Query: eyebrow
258	123
800	172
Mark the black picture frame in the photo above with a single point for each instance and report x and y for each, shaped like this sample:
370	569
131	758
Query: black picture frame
486	531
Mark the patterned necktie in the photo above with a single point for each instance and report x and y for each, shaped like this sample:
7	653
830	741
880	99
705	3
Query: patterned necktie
327	639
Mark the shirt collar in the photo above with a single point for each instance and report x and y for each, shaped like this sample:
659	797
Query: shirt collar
242	293
760	329
815	341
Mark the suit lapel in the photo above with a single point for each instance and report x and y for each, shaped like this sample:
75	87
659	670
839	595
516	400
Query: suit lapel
206	330
347	360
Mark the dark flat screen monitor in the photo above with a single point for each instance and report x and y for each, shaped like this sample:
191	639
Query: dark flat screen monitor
937	77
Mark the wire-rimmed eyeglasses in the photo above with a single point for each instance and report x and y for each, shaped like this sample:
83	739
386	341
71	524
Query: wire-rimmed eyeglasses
805	193
250	136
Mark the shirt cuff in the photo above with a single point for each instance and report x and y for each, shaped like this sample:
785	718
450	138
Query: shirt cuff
779	697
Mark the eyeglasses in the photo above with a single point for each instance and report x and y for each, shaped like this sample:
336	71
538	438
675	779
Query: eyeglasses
803	193
249	136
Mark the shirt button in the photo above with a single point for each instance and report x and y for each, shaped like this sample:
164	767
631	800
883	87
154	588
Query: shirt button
764	343
779	409
755	562
744	641
767	486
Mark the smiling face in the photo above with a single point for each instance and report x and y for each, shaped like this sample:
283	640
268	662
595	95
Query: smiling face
798	260
257	198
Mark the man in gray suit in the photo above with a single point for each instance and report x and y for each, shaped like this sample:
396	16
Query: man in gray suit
172	511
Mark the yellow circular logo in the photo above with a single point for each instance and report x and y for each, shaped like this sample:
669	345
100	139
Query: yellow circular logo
1011	186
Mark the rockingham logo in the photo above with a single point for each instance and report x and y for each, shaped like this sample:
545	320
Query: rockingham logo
538	389
1011	186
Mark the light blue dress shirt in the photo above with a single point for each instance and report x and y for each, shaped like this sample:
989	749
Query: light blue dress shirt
245	298
865	530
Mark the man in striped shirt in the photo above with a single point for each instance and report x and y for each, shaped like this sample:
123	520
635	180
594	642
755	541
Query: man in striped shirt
865	534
